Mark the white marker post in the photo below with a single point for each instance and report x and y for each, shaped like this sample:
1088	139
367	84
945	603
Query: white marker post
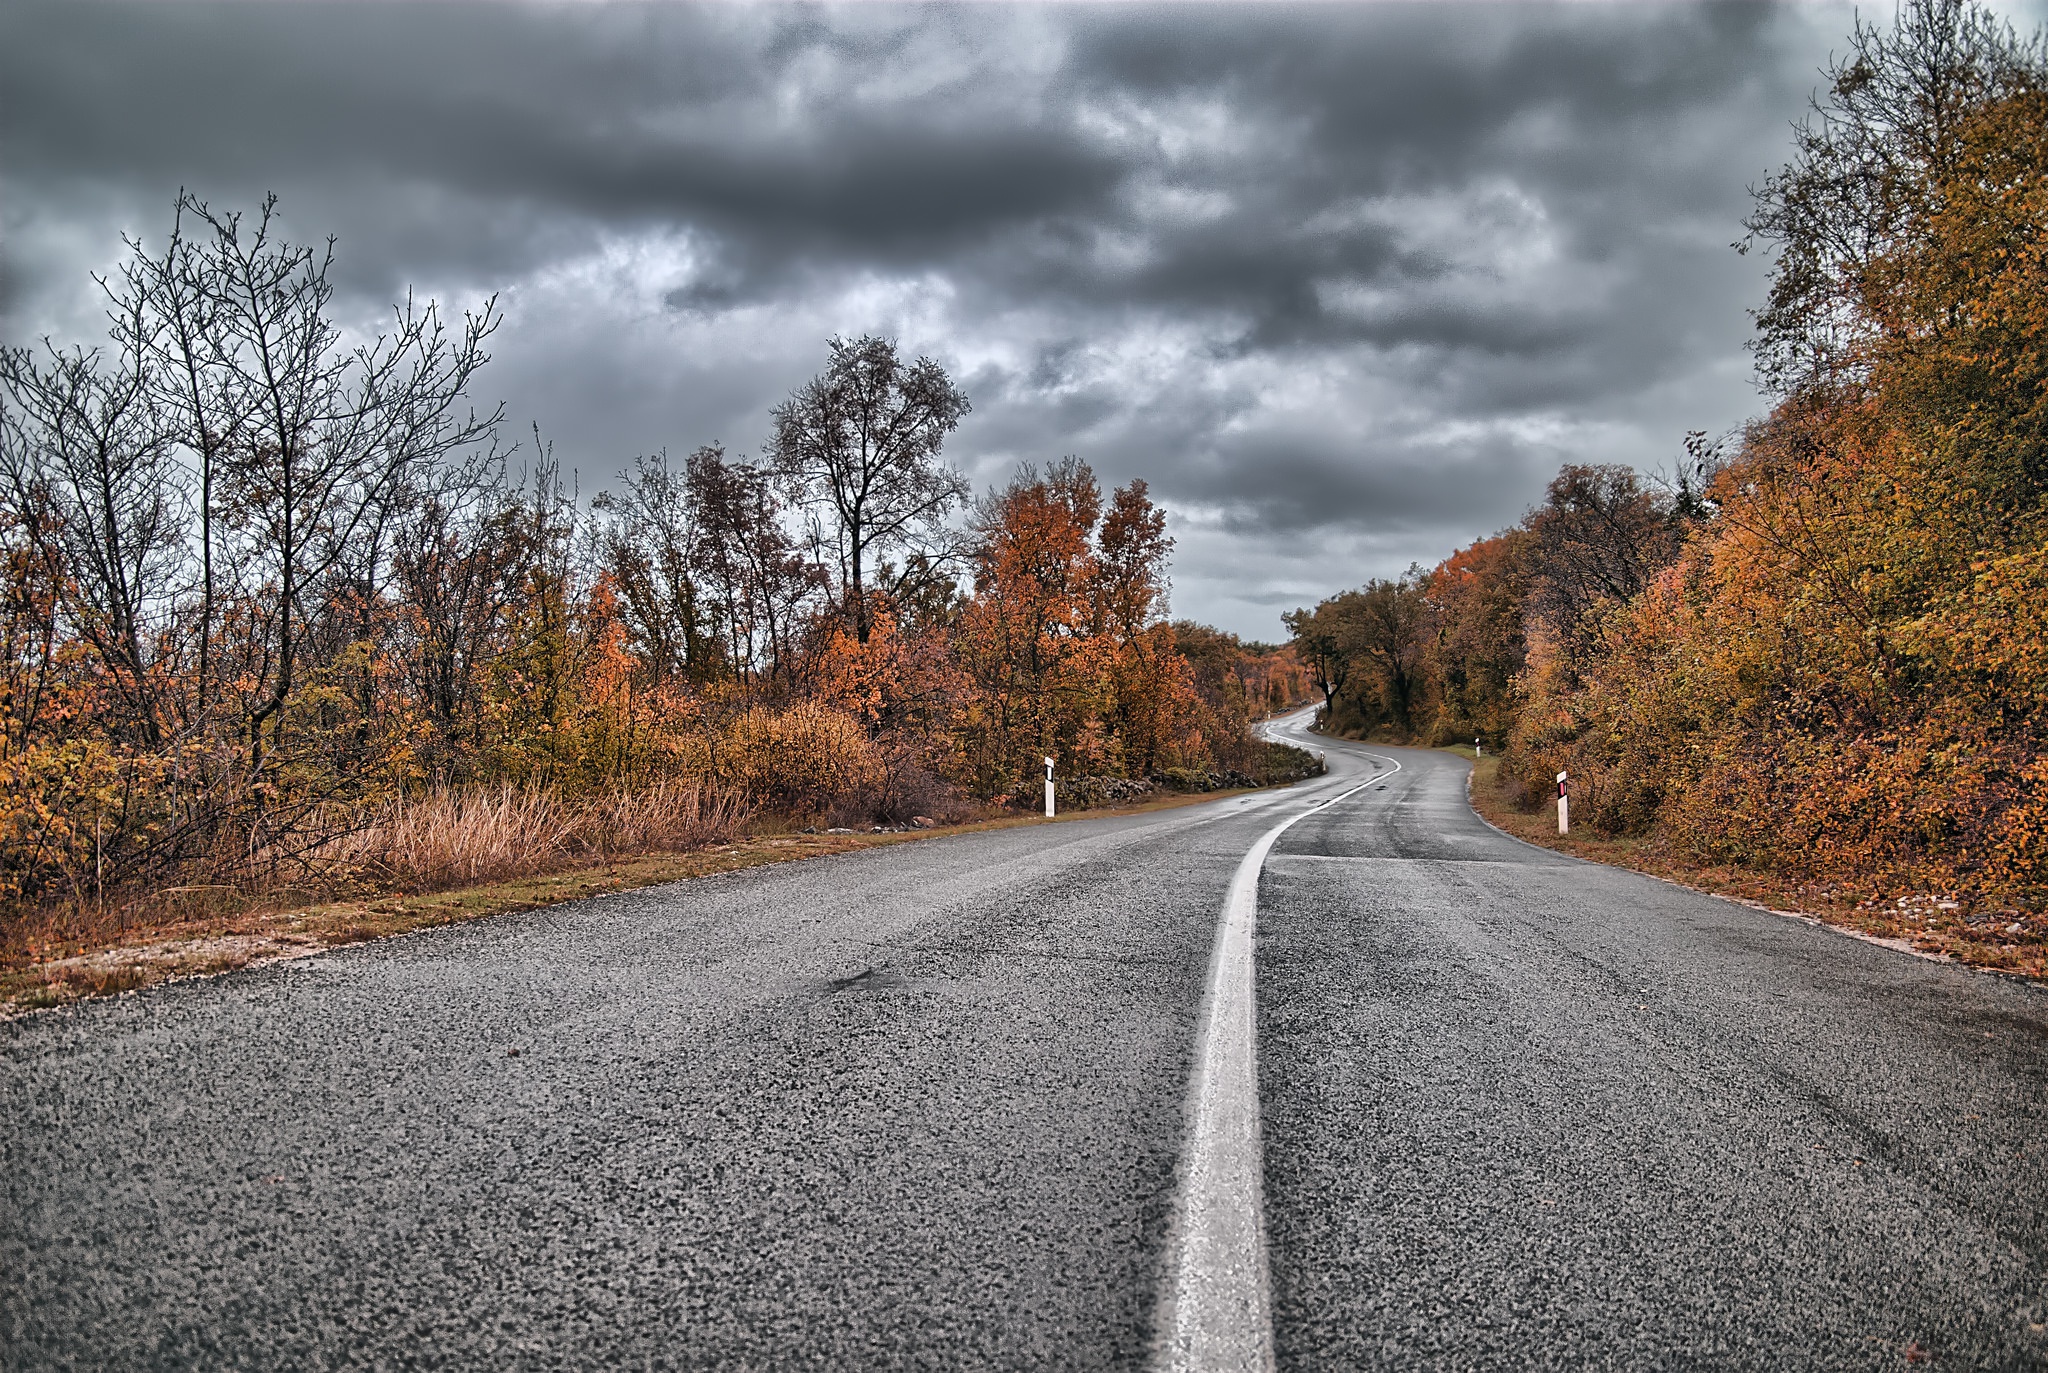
1478	746
1048	788
1564	807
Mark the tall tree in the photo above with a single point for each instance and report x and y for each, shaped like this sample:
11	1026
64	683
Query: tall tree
1318	641
651	546
1599	537
459	562
859	444
756	573
1385	627
1478	597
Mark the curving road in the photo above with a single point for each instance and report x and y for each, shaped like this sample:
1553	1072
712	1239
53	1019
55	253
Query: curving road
928	1106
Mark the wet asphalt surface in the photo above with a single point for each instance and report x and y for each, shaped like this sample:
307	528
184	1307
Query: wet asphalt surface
921	1106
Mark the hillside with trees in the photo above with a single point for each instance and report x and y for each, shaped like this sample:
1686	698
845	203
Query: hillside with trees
283	616
1820	650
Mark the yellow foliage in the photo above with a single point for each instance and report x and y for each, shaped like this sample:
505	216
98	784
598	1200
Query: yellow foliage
806	759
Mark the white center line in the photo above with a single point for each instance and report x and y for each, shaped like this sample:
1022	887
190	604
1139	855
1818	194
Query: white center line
1216	1308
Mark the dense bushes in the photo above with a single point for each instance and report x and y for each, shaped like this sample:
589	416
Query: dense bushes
806	760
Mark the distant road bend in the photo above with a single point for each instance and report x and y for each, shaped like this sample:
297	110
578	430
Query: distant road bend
1401	1093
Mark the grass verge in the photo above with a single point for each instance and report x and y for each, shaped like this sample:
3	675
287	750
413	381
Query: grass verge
1919	922
149	956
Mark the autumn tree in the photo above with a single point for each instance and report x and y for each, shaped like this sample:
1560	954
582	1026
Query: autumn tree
1026	632
1231	675
1868	169
1369	651
1387	630
1479	598
1959	320
1065	639
1318	640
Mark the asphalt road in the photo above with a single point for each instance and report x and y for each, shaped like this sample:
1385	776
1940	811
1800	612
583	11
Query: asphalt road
923	1106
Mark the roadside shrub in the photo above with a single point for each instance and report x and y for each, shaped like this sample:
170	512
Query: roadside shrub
1186	779
1274	763
806	760
911	788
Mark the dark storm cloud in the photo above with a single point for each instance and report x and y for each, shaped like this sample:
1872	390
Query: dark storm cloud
1364	272
651	114
682	114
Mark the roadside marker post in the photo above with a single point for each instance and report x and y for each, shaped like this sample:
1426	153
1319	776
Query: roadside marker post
1564	807
1048	788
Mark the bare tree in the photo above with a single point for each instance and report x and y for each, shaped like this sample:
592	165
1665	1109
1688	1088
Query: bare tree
860	444
650	544
80	447
459	559
166	313
309	434
751	566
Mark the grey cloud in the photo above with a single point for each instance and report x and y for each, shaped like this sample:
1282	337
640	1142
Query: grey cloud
1489	236
634	113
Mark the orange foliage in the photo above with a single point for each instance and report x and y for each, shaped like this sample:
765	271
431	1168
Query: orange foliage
242	703
1063	642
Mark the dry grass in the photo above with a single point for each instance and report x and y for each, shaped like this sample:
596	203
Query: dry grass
456	838
1923	922
435	842
173	949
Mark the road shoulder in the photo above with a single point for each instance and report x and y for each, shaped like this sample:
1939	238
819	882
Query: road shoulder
1923	924
146	958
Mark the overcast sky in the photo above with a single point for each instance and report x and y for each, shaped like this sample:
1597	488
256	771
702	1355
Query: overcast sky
1345	284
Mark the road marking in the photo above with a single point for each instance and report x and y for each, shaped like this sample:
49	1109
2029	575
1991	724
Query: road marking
1216	1308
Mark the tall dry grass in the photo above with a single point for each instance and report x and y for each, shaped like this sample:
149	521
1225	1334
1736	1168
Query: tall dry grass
446	838
806	761
449	838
